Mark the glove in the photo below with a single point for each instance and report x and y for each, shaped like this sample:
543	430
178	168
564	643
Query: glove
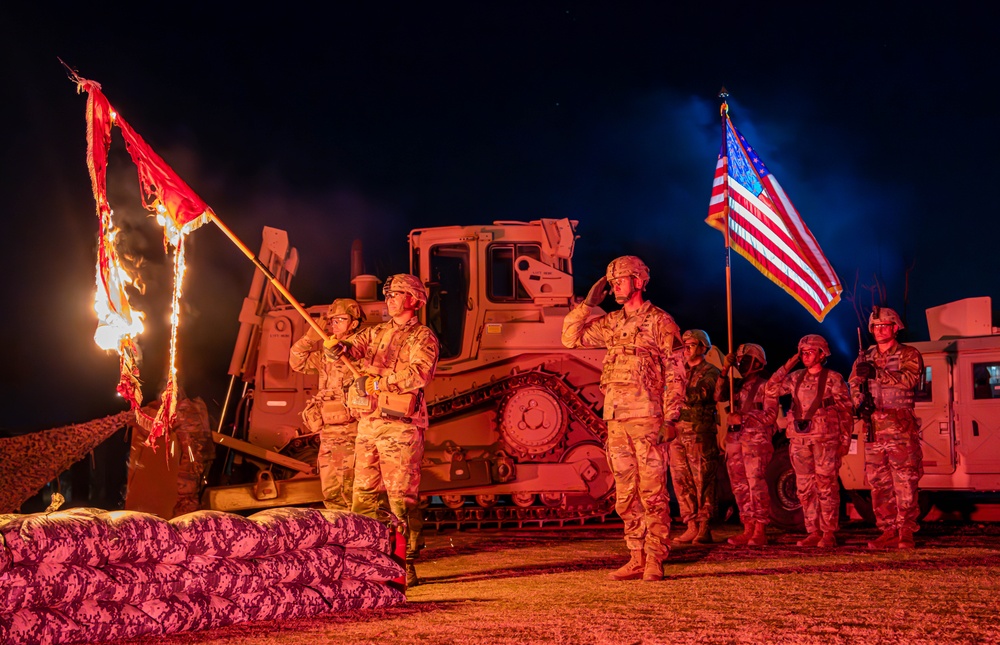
333	349
597	293
668	431
371	384
865	370
728	361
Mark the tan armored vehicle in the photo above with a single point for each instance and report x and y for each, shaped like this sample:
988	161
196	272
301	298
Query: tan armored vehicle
516	433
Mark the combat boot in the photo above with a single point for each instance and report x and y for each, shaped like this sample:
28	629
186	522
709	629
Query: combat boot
633	569
411	576
887	540
759	537
906	539
828	541
689	535
653	570
704	533
812	539
744	537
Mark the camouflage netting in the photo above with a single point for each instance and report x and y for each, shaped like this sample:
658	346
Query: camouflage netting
30	461
83	574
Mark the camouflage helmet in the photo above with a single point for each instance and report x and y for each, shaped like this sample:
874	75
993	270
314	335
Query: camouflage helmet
883	315
815	341
628	265
752	350
344	307
692	336
406	283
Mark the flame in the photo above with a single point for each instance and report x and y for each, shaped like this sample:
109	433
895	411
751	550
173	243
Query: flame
117	322
119	325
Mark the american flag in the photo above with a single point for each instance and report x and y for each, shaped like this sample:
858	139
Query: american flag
765	228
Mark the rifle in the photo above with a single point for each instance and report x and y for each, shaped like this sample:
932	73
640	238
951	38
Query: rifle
864	410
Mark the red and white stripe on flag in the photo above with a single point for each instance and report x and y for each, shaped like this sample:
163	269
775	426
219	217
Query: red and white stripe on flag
765	228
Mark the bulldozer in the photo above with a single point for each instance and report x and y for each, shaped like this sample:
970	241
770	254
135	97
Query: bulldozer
516	433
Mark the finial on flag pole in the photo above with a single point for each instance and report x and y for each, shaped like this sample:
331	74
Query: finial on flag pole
724	108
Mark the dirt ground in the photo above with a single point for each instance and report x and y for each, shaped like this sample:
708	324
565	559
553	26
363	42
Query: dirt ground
550	586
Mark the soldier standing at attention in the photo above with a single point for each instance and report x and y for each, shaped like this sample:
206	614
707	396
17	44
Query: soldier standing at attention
893	463
694	454
643	386
749	446
327	412
398	358
819	432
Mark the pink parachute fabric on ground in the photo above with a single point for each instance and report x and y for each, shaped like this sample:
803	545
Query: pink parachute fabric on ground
86	575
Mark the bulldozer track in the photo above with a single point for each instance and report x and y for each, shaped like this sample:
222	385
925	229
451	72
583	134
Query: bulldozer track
538	515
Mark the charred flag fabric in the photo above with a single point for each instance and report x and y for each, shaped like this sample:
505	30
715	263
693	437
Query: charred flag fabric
765	228
177	208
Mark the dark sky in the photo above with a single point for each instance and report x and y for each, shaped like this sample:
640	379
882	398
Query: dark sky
352	122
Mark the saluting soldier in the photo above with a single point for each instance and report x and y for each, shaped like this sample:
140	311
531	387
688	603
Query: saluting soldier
749	442
643	386
819	433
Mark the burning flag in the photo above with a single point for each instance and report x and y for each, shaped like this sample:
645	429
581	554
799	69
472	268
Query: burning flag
761	224
178	209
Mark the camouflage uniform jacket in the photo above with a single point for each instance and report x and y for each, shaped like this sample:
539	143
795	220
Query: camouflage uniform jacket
644	371
306	356
403	356
759	410
897	374
831	415
699	399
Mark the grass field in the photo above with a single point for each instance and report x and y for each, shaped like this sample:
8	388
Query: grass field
550	587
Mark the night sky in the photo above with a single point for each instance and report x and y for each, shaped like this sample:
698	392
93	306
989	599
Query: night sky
368	122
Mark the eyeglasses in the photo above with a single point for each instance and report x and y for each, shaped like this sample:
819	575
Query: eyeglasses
883	325
341	320
394	294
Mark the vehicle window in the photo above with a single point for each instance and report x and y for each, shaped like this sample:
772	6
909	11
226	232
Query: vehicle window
925	390
448	296
502	278
986	380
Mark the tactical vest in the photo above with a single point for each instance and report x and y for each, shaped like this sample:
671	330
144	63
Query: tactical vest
628	364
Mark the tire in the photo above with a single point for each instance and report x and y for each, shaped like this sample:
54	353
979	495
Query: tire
786	510
862	501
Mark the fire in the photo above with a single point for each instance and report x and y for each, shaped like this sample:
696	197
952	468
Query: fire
116	320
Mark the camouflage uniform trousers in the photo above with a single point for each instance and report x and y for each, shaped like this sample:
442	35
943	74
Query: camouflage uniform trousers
636	459
388	454
191	474
335	462
694	461
816	464
893	465
747	456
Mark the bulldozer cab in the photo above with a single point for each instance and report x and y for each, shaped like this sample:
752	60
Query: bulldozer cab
509	269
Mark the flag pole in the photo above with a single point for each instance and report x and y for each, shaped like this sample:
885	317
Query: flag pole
724	113
325	337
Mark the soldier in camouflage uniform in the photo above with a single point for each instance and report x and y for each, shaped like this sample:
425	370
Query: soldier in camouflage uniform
749	446
327	412
819	432
398	359
893	463
694	454
643	386
193	433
